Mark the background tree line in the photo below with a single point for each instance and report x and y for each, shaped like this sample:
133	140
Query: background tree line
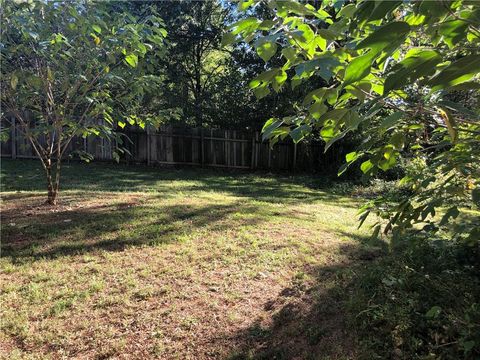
204	82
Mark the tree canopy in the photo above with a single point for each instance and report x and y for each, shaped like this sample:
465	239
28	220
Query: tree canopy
74	69
404	73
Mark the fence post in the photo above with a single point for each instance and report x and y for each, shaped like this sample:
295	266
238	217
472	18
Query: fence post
294	156
234	143
14	138
242	151
202	146
169	143
148	146
212	148
252	161
226	148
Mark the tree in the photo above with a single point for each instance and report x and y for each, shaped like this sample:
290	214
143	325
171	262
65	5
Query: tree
73	69
407	60
195	58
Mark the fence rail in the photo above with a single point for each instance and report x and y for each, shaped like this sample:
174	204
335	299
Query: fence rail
198	147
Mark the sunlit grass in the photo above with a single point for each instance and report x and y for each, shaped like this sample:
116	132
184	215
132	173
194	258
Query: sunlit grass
162	262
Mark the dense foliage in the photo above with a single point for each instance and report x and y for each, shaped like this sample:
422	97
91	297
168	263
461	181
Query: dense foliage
74	69
421	302
406	75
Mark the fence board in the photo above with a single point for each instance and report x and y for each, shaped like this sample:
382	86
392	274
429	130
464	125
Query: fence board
197	147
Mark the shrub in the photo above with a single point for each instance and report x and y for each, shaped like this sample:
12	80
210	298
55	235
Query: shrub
422	303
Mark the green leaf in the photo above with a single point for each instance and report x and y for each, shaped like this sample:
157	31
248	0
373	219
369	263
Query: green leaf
244	4
417	63
266	25
468	346
299	133
397	140
116	156
469	85
431	9
453	31
263	79
270	126
390	35
163	32
358	68
97	29
376	231
342	169
279	79
336	115
317	110
289	53
330	141
261	91
415	19
321	43
327	132
366	166
363	217
458	108
266	49
284	7
415	127
245	26
351	120
389	158
382	8
391	120
132	60
324	64
451	213
314	96
351	157
347	11
327	34
456	73
433	312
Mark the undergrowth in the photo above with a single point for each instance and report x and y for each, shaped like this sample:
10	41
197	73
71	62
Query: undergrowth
420	303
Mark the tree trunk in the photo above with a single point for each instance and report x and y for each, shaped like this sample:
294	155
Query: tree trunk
52	196
52	185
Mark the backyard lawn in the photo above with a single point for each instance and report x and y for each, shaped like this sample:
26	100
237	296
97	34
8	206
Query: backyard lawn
144	263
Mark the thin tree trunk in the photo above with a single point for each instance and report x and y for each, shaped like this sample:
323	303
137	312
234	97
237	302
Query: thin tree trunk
58	164
51	185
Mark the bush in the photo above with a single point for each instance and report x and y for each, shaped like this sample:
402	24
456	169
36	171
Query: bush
423	303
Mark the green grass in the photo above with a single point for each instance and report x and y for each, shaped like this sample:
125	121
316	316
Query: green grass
29	176
165	263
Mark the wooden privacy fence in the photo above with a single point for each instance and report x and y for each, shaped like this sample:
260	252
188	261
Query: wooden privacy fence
199	147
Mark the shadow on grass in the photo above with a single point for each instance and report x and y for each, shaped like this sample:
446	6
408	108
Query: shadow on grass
311	319
307	321
27	175
113	227
360	309
370	246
